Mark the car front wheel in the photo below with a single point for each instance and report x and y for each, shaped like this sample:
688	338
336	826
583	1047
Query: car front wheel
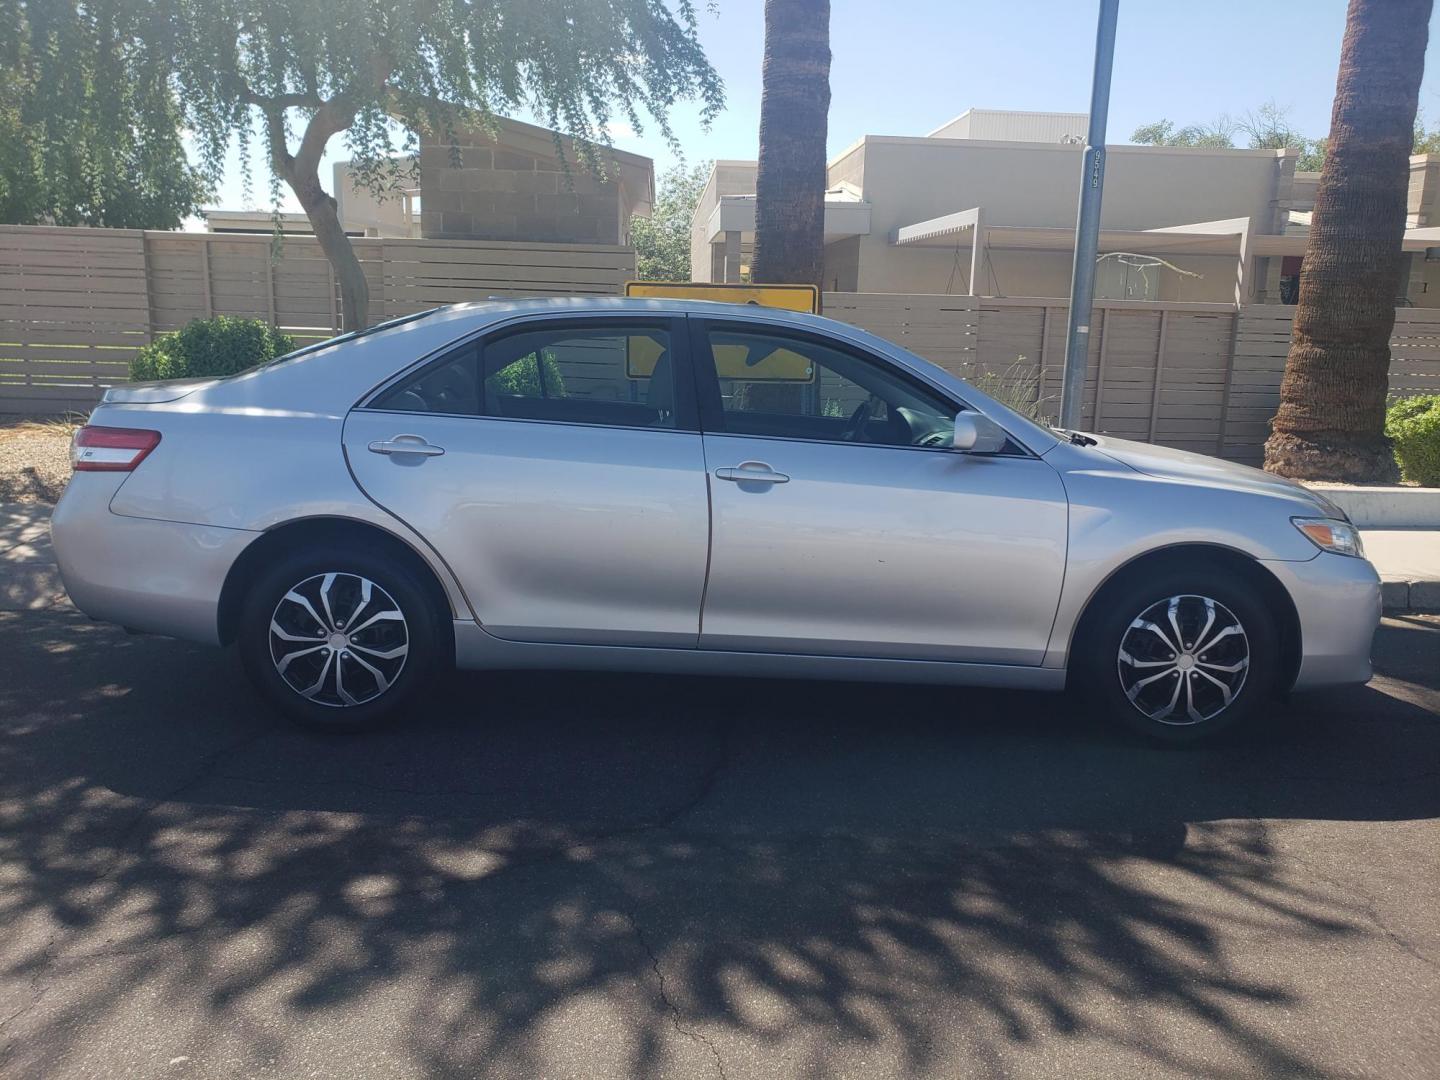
1182	656
339	641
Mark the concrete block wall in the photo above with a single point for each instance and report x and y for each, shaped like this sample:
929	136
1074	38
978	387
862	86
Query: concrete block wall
504	193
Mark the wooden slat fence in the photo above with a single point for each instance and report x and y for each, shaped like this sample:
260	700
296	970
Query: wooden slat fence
75	304
1202	377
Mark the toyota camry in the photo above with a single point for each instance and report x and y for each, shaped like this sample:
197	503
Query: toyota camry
669	486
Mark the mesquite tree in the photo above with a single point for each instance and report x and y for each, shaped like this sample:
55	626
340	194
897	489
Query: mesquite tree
1331	422
89	125
790	178
309	71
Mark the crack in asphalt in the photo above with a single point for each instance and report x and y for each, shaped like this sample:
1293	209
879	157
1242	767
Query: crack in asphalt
37	994
676	1017
204	768
1371	906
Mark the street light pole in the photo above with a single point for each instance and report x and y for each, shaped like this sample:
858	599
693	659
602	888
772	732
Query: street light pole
1087	224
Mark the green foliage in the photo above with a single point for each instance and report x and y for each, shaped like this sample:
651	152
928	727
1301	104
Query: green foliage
521	378
218	346
1413	425
89	127
1265	128
1426	142
1220	133
362	66
662	241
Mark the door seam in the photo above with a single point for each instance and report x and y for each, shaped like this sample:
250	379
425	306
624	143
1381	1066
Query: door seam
709	540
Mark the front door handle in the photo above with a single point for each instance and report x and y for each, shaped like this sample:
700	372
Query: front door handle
406	444
756	472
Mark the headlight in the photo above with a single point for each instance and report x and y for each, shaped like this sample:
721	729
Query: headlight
1330	535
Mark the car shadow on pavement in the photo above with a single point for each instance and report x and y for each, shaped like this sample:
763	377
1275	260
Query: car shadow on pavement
590	875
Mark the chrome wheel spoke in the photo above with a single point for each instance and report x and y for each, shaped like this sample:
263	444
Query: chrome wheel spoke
1190	710
1172	613
285	635
381	654
1229	669
1145	624
1134	691
308	608
1224	689
315	687
325	587
286	661
1199	642
340	690
379	616
367	590
1229	631
380	680
1170	705
1127	658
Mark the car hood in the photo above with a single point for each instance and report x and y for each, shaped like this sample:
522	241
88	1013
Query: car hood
1168	464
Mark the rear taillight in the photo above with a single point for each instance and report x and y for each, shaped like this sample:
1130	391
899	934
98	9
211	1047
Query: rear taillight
111	449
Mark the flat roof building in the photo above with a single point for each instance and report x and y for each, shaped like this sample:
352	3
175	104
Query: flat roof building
986	205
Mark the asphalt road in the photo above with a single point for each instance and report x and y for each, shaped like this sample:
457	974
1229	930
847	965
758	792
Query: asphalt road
585	876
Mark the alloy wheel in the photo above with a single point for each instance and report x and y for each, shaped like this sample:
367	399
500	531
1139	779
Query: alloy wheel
338	639
1183	660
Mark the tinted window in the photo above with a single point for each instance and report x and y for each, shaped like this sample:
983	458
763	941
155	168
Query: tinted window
620	375
795	388
451	386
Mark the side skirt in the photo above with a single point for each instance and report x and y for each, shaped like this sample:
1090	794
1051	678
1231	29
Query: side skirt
476	650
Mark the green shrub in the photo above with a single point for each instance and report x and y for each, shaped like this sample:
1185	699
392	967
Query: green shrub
218	346
522	378
1414	426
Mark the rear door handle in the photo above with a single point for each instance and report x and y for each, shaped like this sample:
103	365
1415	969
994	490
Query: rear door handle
406	444
756	472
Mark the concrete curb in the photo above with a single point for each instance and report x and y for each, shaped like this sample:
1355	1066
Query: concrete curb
1385	506
1410	597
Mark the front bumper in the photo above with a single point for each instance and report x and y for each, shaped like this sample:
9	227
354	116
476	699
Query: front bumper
159	576
1337	598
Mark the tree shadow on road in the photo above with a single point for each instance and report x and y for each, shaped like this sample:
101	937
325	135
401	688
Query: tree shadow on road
582	875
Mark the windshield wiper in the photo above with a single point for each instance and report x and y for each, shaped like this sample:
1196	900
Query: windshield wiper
1082	440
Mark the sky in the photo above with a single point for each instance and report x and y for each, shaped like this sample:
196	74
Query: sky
904	67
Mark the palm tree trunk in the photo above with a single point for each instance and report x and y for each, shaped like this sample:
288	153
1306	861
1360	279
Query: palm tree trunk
1331	420
794	106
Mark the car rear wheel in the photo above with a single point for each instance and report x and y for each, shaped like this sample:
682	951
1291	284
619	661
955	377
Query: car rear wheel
339	640
1180	656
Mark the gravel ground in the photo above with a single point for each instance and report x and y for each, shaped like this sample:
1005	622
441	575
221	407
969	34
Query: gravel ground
34	460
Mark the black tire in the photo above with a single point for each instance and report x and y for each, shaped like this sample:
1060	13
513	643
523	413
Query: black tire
370	660
1119	620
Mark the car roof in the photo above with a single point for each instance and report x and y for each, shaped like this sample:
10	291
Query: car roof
484	311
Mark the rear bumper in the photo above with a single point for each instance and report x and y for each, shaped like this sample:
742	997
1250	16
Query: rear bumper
1337	598
160	576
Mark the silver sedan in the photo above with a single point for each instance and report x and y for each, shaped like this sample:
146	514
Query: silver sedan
664	486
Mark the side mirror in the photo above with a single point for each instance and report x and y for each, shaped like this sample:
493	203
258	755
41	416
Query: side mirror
978	434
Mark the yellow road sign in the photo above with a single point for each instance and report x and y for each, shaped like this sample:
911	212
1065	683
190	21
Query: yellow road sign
788	297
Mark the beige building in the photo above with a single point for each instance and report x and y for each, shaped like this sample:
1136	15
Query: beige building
505	184
512	185
986	205
361	213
